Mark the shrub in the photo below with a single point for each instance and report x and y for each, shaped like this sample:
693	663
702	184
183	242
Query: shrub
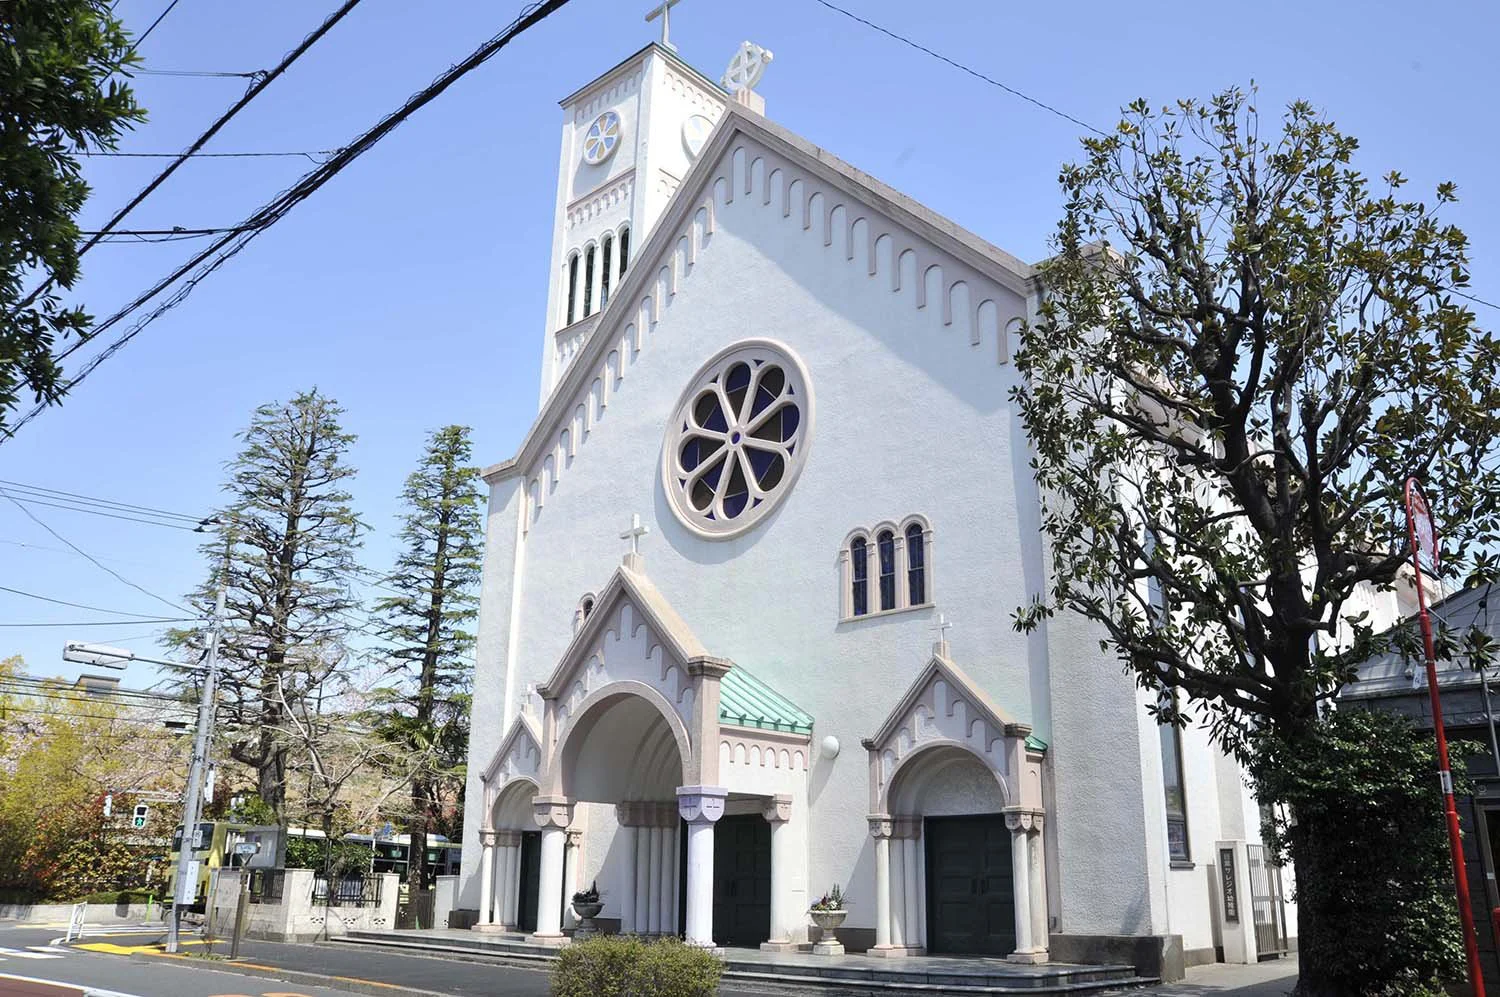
626	966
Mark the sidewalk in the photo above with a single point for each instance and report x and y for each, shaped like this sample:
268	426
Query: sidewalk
1275	978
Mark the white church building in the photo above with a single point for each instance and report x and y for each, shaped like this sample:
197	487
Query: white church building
787	385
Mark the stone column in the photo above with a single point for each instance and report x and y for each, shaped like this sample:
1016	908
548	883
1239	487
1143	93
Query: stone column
570	870
777	811
1035	860
881	827
913	903
700	806
1020	823
898	893
510	912
553	815
486	876
625	814
642	894
506	869
653	889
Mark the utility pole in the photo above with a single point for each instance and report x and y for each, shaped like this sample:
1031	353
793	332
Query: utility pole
186	891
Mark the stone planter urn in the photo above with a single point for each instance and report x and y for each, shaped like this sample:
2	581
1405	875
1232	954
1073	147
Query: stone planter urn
586	914
828	922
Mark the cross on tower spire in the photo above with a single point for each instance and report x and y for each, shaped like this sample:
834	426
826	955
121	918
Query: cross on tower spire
664	12
634	534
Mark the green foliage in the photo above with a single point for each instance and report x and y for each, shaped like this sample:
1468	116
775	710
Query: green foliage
126	897
1370	844
834	899
624	966
425	708
285	547
315	853
58	96
1243	353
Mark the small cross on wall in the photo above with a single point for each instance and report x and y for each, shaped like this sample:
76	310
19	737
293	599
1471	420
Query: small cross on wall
941	628
634	534
664	12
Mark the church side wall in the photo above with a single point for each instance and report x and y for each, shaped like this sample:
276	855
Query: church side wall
490	714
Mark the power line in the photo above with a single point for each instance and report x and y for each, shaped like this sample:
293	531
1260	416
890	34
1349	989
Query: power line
313	156
253	74
176	230
95	500
283	203
25	501
147	33
106	623
78	605
255	88
958	65
91	559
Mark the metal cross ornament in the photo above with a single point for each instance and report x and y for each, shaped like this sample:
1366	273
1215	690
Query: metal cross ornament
635	533
746	68
941	627
664	12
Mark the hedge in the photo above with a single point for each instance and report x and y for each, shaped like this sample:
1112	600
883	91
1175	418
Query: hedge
627	966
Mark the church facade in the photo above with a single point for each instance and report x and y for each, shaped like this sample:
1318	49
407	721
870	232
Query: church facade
746	621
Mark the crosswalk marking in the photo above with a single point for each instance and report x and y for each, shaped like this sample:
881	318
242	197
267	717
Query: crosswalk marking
6	953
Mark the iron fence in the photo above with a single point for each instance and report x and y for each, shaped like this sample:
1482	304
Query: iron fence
1267	904
266	885
346	891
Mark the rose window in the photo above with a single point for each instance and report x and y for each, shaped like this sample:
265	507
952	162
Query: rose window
738	439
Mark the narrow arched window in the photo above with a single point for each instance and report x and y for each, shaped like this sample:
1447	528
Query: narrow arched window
588	282
916	566
624	249
885	544
605	247
572	289
859	572
588	607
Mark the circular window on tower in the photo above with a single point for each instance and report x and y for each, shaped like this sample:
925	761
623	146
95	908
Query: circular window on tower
602	138
737	439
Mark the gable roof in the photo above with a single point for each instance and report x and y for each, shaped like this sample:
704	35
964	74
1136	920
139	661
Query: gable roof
739	123
746	701
521	726
942	667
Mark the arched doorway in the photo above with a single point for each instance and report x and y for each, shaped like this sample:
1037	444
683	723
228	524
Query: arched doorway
951	867
517	862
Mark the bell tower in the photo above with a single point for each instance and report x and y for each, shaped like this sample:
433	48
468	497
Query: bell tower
628	139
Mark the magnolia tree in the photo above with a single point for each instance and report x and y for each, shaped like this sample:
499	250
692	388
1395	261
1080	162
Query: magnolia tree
1244	349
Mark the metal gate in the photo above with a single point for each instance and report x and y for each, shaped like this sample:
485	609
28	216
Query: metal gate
417	909
1267	904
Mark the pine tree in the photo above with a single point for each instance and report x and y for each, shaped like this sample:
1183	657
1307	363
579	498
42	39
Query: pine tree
285	547
425	628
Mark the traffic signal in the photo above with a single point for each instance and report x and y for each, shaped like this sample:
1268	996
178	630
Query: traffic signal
141	813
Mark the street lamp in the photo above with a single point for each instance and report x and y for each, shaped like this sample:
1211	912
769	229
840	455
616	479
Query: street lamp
115	657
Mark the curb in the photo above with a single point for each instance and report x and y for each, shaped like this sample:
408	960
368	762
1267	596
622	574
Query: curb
349	984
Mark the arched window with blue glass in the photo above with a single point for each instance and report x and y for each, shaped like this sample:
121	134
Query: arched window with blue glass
916	565
885	547
604	253
859	573
572	289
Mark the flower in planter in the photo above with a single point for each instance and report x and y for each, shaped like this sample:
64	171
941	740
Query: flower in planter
588	896
834	899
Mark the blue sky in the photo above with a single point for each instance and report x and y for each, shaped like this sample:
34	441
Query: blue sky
412	287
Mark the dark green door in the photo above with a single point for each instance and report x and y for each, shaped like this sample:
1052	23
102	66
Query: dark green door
531	880
970	907
742	880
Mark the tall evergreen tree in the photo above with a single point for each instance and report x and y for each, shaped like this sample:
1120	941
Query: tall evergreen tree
426	630
285	548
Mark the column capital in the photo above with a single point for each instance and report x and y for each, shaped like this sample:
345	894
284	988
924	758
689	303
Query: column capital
506	838
1022	819
777	809
552	811
664	815
628	814
487	837
881	825
906	826
701	804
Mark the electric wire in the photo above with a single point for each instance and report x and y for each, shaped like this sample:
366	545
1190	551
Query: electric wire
275	210
250	94
312	156
200	73
25	501
91	559
959	66
107	623
147	33
79	605
95	500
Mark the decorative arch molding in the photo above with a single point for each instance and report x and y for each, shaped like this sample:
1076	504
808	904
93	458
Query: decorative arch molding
945	708
750	164
518	757
556	778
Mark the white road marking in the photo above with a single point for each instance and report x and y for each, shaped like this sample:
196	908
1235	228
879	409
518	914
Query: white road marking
54	947
22	954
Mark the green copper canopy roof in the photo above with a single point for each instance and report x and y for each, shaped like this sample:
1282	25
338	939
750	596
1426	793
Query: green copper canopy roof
1035	743
746	701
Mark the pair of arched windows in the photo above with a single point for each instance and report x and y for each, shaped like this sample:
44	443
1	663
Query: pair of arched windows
886	569
592	273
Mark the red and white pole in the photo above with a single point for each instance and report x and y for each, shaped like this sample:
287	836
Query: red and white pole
1423	536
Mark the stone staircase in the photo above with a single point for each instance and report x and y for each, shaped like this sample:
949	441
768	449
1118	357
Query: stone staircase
795	972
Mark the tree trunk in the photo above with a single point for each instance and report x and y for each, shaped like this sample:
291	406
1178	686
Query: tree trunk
1319	945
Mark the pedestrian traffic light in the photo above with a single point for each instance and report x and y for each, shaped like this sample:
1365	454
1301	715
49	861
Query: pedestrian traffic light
141	813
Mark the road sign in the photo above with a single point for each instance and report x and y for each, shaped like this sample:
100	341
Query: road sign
142	813
1424	534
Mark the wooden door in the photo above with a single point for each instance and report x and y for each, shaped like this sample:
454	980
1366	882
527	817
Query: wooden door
531	880
970	904
742	880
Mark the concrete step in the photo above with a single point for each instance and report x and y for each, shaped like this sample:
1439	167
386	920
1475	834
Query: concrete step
796	973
